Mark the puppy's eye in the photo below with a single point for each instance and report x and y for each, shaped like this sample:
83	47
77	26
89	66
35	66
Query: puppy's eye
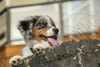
43	25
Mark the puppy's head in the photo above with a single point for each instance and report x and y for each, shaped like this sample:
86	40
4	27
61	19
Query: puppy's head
40	28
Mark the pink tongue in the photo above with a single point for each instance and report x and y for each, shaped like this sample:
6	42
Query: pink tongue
52	41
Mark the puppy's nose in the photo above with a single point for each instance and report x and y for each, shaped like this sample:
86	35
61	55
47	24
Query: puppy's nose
55	30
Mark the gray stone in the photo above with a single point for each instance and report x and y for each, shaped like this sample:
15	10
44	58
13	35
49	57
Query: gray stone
85	53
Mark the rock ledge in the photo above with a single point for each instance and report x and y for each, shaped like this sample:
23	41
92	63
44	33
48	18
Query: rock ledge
85	53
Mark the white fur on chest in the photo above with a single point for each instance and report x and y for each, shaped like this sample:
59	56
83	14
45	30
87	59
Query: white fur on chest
31	43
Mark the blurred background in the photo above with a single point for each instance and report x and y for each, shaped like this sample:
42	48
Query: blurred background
70	16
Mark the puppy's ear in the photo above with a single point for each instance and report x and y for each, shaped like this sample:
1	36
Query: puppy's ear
31	20
25	26
52	21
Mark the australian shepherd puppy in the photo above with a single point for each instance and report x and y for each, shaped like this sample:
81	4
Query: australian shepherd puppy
39	33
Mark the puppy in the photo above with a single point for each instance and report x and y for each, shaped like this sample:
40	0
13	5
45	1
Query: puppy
39	33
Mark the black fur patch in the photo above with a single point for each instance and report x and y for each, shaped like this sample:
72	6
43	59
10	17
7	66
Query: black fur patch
27	21
25	25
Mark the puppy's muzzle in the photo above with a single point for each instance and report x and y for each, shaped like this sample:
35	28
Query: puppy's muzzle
55	30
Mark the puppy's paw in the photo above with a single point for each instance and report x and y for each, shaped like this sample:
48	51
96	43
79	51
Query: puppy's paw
38	48
14	60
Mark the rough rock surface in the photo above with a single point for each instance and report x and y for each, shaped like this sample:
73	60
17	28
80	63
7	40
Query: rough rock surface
85	53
